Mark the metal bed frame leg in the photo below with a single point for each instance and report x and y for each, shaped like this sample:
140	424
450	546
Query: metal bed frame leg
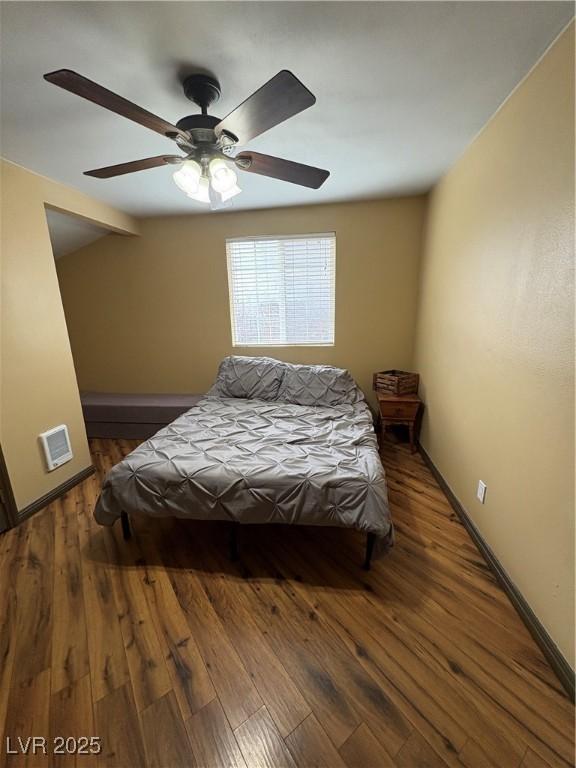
370	539
234	555
126	533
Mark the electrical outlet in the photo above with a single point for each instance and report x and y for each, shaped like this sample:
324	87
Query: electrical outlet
481	492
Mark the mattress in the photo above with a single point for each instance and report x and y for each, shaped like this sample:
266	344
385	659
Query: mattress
250	460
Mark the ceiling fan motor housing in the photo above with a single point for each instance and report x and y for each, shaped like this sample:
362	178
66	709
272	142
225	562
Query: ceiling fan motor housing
201	127
202	90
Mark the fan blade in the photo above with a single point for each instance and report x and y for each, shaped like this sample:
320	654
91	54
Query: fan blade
280	98
286	170
87	89
135	165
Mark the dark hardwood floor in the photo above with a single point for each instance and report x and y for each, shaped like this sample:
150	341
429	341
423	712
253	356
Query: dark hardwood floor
291	657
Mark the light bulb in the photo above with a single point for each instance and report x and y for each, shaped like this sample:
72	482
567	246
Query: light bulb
222	176
202	194
232	192
187	178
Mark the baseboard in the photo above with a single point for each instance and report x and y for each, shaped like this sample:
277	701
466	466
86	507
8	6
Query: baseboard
561	667
54	494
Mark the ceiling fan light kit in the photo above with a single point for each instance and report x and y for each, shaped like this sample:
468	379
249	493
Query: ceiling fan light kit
207	169
187	178
203	193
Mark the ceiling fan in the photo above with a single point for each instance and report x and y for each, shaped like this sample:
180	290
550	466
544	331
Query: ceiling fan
207	168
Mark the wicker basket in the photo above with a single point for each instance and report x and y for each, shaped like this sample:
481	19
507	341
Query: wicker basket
396	382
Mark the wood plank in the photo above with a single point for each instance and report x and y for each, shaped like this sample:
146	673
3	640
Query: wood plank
107	658
146	665
69	641
496	702
235	689
118	726
311	747
28	715
8	639
71	715
165	738
491	724
190	679
427	559
470	712
417	752
316	670
349	613
512	645
473	756
367	700
12	546
261	744
533	760
451	544
281	696
363	750
499	695
34	599
213	743
420	695
326	695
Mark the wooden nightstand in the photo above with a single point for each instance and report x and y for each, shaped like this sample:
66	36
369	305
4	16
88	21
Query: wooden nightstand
400	409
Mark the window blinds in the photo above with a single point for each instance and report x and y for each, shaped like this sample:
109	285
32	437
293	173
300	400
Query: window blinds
282	290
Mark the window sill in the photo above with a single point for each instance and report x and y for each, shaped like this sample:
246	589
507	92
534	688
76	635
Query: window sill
279	346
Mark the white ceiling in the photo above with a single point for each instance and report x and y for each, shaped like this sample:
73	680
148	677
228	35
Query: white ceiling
401	87
68	233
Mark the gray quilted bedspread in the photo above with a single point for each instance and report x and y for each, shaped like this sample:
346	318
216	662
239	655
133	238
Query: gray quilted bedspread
254	461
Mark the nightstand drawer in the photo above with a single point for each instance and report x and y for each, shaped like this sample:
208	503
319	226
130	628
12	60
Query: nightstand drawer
391	410
400	409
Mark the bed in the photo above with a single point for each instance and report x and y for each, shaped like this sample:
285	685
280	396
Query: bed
271	442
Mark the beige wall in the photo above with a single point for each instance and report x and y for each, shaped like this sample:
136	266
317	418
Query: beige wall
152	315
495	336
38	383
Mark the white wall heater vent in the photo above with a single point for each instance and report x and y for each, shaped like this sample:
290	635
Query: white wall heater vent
56	444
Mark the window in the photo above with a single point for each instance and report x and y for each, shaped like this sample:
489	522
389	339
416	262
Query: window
282	290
